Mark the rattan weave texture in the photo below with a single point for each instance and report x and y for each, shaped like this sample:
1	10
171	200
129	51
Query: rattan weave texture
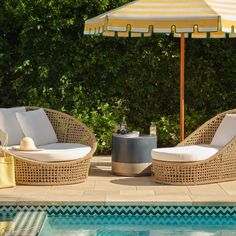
68	130
219	168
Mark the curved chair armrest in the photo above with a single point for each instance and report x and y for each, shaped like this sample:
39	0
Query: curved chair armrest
205	133
227	152
78	132
68	129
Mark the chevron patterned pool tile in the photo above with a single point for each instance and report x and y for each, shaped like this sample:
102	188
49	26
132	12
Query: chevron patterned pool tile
126	210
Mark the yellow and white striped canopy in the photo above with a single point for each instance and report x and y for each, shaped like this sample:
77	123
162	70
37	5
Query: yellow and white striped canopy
200	18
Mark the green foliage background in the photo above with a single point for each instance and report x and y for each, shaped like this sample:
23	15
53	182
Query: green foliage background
45	60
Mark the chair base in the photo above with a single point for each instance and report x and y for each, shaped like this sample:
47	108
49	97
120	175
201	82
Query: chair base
28	172
192	173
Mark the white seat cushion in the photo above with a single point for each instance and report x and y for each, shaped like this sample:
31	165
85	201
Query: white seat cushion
185	154
226	131
10	125
36	125
55	152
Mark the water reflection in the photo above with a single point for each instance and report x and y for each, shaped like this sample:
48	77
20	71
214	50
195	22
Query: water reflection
140	226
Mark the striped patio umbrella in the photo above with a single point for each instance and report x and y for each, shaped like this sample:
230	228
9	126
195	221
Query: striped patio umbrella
182	18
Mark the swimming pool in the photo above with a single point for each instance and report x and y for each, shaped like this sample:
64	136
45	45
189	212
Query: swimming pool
139	226
127	220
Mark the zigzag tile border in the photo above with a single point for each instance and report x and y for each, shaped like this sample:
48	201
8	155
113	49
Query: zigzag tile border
126	210
144	220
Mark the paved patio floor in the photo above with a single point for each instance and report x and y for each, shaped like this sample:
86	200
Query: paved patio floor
103	188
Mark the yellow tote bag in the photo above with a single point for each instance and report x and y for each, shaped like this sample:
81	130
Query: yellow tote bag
7	170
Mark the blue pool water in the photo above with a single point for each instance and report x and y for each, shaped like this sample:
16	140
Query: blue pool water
139	226
121	220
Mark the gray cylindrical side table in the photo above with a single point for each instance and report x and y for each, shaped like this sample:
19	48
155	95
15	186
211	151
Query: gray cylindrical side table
131	156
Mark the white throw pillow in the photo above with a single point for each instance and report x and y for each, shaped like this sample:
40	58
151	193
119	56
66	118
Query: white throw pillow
10	125
35	124
226	131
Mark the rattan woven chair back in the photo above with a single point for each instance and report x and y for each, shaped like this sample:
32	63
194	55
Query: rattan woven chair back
219	168
68	130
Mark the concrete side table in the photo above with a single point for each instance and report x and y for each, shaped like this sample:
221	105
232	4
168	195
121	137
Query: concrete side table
131	156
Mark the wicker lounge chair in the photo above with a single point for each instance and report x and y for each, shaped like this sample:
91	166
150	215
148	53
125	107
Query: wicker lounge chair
218	168
68	130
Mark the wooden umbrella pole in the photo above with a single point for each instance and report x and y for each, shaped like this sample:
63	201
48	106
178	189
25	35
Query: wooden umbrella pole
182	87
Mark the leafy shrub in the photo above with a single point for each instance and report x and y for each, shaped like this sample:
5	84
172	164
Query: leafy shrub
167	130
46	61
103	121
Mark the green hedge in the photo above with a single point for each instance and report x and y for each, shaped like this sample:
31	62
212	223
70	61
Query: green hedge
46	61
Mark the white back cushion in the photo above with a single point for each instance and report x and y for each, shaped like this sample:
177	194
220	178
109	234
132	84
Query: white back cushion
35	124
226	131
10	125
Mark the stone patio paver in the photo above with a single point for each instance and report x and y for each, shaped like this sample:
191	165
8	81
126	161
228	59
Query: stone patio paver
207	190
229	187
170	190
